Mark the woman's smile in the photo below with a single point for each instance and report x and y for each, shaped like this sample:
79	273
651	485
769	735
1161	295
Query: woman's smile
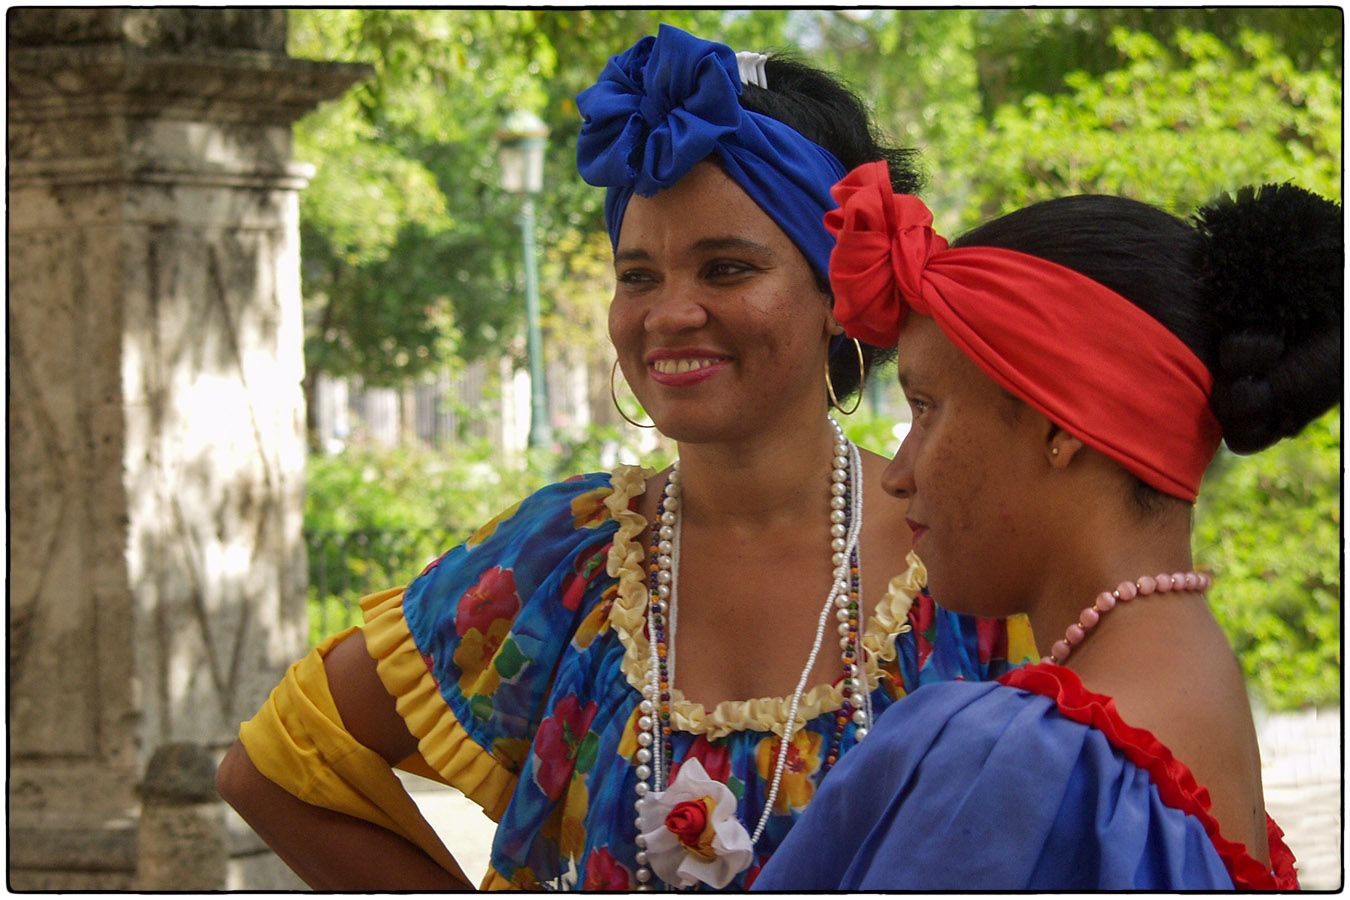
680	368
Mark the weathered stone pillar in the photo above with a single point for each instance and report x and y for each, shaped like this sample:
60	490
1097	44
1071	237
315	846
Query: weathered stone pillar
156	416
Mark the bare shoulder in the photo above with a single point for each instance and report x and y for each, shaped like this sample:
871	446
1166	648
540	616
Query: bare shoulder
1194	700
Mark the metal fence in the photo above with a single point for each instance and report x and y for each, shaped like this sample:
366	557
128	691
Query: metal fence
345	566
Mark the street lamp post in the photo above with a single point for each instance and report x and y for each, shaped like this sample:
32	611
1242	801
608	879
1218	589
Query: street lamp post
520	154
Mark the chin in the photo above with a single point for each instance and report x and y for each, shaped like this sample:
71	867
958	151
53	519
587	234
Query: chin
698	426
685	432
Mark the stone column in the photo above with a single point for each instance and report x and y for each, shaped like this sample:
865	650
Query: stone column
156	417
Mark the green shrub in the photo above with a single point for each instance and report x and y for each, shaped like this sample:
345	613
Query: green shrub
1269	527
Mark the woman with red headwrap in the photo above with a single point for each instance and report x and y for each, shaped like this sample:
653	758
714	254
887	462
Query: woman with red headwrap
1071	369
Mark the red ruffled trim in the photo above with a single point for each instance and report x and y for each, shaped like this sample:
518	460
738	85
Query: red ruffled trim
1176	785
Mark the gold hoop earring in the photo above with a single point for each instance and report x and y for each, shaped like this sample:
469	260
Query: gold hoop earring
829	385
614	396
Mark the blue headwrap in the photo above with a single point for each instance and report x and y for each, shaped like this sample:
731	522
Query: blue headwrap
671	101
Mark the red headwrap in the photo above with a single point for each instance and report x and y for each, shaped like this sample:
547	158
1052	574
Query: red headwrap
1084	356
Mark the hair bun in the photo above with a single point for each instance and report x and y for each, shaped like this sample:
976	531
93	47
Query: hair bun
1273	270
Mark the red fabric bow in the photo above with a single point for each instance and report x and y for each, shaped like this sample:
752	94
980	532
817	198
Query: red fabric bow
882	244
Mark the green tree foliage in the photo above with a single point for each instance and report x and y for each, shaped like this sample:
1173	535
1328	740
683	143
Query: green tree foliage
1173	126
917	71
1025	51
1269	526
404	233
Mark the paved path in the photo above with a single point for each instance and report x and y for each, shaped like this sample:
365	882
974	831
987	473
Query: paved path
1301	756
1301	770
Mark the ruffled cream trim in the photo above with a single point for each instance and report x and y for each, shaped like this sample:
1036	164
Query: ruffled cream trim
444	744
628	615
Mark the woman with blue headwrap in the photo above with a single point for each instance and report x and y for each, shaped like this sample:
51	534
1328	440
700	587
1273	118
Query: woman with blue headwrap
534	666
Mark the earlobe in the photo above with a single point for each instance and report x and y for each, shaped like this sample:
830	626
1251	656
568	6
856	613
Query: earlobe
1061	449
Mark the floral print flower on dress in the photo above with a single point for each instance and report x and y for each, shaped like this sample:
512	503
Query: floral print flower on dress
493	598
588	509
564	745
803	759
587	568
474	655
716	759
605	873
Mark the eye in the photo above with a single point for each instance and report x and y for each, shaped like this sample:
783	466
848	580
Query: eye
634	278
918	406
726	269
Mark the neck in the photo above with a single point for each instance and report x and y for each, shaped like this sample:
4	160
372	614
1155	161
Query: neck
767	479
1097	557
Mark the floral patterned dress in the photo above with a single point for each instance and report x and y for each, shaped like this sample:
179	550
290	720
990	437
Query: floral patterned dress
516	659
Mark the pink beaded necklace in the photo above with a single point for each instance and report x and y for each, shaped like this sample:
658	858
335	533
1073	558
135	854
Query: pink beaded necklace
1124	593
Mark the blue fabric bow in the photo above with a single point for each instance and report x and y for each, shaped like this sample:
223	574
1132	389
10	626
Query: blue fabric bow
671	101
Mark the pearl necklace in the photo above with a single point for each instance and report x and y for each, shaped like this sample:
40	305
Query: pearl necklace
1124	593
845	597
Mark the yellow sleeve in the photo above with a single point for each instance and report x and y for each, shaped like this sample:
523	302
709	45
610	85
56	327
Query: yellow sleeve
450	755
297	740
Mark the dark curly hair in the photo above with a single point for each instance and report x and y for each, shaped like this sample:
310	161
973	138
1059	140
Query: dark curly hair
820	107
1253	284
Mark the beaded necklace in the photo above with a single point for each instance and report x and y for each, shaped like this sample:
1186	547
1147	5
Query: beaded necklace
845	598
1123	593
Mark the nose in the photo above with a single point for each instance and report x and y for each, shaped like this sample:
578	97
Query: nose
675	307
898	479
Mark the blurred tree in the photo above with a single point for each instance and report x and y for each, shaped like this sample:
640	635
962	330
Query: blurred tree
1172	126
1025	51
1269	526
917	69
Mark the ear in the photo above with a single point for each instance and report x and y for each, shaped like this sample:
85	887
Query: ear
1060	447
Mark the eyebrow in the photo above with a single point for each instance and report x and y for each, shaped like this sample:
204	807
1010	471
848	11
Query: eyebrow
631	255
705	245
908	380
732	243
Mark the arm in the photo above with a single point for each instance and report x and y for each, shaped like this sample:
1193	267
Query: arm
331	850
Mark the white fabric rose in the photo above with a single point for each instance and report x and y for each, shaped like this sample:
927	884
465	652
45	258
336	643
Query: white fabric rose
691	831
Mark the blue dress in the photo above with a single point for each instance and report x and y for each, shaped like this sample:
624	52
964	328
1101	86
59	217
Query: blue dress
926	802
520	650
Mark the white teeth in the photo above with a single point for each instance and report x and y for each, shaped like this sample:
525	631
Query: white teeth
679	366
